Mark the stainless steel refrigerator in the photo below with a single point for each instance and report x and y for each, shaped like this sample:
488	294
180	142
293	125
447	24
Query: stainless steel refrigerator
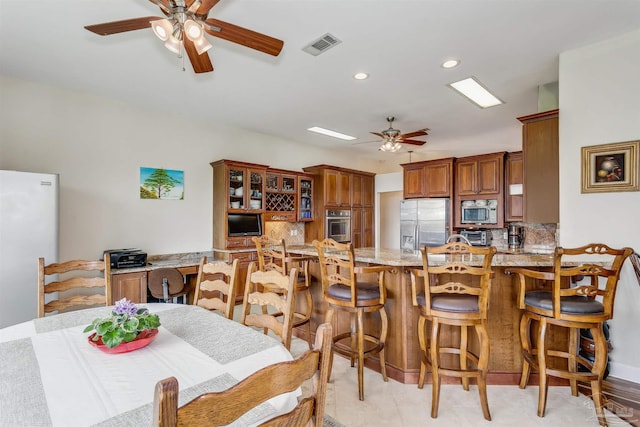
423	221
28	230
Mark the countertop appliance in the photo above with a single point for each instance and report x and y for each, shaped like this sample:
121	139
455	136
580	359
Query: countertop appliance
515	236
478	237
423	221
479	212
338	225
28	230
127	258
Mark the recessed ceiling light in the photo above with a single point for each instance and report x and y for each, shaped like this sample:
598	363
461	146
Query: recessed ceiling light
332	133
476	92
360	76
451	63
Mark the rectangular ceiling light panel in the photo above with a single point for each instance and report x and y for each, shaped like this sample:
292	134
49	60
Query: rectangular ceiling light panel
331	133
476	92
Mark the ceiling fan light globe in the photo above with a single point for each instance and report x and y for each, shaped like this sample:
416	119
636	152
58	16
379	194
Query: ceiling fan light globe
162	28
173	44
193	30
202	45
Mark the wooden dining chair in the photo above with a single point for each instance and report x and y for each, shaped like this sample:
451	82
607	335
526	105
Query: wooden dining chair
222	408
75	289
268	301
455	293
273	255
566	297
216	286
344	291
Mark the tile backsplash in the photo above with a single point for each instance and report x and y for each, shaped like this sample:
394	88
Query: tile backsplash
537	237
291	232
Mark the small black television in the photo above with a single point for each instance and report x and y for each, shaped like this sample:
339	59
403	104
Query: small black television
244	225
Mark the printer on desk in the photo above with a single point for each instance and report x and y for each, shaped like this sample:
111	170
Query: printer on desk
127	258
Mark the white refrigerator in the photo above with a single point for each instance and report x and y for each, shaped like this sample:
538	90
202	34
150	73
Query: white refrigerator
28	230
423	221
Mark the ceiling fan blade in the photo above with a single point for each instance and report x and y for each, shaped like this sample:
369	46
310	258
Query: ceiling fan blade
377	134
421	132
162	4
200	63
245	37
206	6
412	142
115	27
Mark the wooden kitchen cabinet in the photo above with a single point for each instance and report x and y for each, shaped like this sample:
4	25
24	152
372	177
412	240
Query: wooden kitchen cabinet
362	190
132	286
356	227
228	177
343	189
305	201
432	178
281	196
479	178
513	175
337	189
480	175
541	167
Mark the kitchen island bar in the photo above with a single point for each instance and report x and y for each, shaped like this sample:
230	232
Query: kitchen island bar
402	347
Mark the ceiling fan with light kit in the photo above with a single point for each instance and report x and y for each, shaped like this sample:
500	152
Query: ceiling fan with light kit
393	138
182	29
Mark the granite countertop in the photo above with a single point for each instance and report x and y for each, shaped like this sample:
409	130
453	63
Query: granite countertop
399	258
179	260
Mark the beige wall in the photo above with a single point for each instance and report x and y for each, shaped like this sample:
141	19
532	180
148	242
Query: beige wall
98	145
599	104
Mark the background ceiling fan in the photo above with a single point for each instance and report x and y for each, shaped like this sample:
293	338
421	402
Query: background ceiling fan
392	138
183	25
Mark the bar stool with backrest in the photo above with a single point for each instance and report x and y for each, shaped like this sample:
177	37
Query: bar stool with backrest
91	290
568	300
344	292
457	281
216	286
273	255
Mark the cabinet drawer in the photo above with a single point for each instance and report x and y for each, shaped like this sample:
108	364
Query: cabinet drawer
244	257
280	216
239	242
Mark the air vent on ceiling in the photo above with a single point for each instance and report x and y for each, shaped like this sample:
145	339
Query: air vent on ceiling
322	44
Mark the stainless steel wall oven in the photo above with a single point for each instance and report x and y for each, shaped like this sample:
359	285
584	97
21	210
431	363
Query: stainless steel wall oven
338	225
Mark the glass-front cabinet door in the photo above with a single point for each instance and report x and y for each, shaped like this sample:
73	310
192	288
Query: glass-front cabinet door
246	189
305	203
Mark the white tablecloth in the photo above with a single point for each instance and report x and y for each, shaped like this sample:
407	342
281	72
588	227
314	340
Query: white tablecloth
51	376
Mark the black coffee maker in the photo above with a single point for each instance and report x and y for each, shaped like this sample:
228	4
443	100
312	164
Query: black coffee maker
515	236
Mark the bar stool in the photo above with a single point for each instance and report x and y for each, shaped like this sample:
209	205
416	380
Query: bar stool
342	291
272	255
568	300
456	293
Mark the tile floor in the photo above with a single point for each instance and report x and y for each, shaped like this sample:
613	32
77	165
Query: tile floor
394	404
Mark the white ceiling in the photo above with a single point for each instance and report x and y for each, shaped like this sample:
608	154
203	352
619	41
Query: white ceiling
511	46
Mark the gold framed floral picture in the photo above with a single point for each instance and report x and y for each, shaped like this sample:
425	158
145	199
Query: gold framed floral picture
610	167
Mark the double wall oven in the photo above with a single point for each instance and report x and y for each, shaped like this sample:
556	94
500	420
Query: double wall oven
338	225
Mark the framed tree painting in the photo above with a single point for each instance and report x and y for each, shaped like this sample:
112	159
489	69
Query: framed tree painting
610	167
158	183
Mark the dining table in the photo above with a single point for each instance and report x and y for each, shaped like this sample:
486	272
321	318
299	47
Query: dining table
51	376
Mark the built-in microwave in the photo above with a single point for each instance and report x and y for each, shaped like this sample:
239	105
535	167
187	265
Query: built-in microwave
479	212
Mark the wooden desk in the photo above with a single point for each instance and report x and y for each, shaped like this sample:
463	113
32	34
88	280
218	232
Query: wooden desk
131	283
